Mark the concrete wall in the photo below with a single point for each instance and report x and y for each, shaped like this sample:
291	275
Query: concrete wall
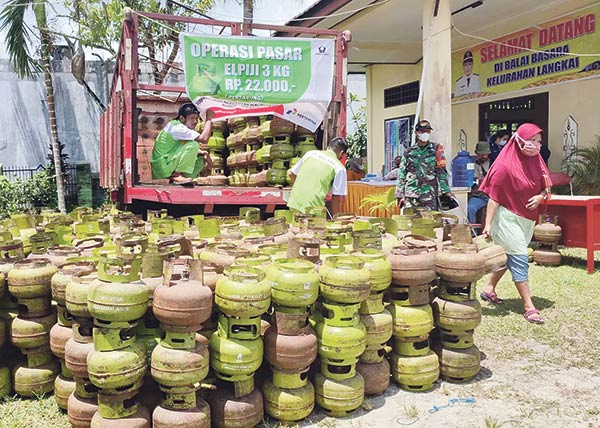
380	77
25	134
563	100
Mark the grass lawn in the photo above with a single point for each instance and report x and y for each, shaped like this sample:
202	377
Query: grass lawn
532	375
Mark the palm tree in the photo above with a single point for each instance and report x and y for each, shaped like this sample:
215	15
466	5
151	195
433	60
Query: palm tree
12	18
248	8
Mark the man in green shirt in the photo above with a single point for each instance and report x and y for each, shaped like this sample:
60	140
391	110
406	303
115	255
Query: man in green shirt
176	154
317	173
422	174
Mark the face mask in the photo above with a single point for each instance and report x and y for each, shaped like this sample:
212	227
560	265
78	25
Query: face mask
528	148
502	143
424	136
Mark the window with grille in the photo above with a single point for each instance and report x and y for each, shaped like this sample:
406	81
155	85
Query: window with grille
524	103
400	95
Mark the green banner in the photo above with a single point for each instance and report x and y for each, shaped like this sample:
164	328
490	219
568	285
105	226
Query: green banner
248	69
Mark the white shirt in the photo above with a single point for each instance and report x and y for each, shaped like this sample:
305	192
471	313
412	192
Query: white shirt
467	85
180	132
392	175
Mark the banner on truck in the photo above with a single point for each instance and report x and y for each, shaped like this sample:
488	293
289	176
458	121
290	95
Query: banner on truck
537	56
238	76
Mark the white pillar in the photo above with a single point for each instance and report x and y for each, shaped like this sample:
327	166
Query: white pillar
437	75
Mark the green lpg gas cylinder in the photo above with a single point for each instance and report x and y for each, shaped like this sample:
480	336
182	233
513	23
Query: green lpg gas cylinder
234	359
339	397
456	315
31	382
63	388
5	385
459	365
341	343
379	266
118	368
378	327
344	279
243	292
117	295
65	273
294	282
76	295
411	321
285	404
27	333
179	367
418	373
31	278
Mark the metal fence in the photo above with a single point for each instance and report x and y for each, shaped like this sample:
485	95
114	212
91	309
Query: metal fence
14	173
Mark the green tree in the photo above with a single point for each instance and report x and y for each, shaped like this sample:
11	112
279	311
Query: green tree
18	38
584	168
357	141
100	24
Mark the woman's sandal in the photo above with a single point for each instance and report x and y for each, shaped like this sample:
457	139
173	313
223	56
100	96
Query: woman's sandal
534	317
491	297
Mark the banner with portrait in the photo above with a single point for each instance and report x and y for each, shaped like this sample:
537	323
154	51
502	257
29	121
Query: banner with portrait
538	56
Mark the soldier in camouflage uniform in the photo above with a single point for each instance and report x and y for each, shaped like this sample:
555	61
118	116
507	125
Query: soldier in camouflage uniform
422	173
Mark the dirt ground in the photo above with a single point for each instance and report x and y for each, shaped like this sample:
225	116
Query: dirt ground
515	394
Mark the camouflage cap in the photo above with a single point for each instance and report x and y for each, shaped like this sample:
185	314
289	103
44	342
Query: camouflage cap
482	148
423	125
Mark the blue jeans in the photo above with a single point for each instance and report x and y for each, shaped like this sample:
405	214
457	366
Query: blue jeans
475	204
518	265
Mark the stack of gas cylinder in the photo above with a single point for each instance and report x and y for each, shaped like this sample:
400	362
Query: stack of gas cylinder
217	149
5	385
290	341
11	251
414	365
378	322
547	233
82	404
29	282
62	331
242	295
117	300
344	285
456	309
180	361
237	161
257	151
301	315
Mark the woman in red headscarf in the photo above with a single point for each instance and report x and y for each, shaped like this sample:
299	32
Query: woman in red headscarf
516	184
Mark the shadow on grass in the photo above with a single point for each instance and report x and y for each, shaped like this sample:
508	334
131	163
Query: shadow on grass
514	306
578	262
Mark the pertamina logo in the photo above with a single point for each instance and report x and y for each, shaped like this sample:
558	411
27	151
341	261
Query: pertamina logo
321	50
294	112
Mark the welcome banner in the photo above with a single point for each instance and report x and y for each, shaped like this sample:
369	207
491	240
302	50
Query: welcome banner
510	64
238	76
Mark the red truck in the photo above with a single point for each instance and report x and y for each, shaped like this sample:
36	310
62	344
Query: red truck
138	110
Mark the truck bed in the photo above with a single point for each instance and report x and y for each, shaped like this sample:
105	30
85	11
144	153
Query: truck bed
209	196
